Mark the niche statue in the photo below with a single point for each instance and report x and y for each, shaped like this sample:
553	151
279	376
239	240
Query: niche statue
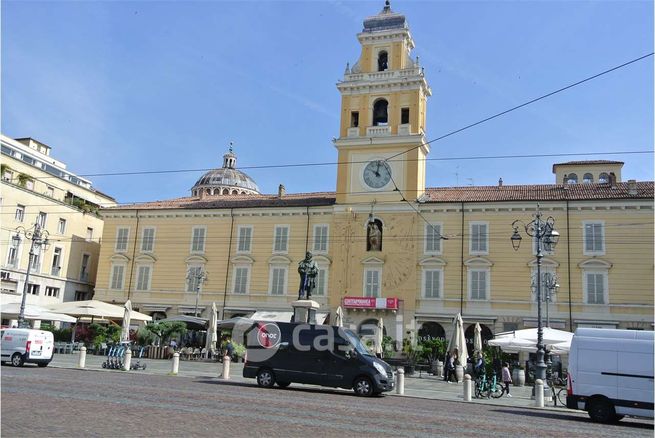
308	270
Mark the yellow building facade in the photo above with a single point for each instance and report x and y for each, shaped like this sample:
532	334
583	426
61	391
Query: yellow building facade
38	188
388	247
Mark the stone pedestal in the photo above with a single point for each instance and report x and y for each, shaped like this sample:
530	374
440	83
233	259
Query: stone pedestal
304	311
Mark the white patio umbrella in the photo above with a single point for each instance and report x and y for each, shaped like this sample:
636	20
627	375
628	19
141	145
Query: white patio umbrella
96	309
477	338
378	337
557	341
458	341
338	318
212	334
125	332
33	312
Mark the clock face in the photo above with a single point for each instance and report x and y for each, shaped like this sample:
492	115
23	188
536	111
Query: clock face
377	174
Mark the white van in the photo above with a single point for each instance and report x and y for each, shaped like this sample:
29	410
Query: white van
21	346
611	373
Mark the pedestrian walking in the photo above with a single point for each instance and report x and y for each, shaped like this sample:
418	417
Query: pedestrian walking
478	367
447	370
507	379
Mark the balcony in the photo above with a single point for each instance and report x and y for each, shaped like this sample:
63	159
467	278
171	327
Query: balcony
378	131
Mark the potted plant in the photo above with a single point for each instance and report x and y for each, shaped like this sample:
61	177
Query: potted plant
433	350
239	351
413	354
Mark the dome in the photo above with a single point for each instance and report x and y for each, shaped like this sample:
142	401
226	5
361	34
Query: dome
226	180
385	20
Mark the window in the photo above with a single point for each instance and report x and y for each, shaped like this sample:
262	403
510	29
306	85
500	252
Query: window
122	235
603	178
478	284
404	116
380	117
354	119
89	233
20	213
198	239
594	241
117	276
383	60
8	175
35	264
56	261
41	219
321	282
372	282
588	178
433	239
320	238
84	270
50	191
81	295
432	283
148	240
596	287
33	289
143	278
281	238
479	236
278	280
52	291
244	239
13	252
195	278
571	178
61	226
241	274
29	184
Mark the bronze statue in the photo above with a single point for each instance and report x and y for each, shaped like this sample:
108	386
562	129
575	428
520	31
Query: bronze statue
308	270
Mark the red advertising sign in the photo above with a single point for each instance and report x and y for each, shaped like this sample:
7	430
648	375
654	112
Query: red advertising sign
370	303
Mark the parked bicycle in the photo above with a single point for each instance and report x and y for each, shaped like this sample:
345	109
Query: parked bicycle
488	387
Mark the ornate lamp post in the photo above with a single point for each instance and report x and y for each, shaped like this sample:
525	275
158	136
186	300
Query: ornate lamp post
545	236
39	238
198	276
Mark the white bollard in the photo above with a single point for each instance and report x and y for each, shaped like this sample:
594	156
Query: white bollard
539	393
400	381
82	362
467	387
176	363
128	360
226	367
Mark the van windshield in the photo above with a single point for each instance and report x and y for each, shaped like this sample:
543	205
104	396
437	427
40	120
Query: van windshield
355	341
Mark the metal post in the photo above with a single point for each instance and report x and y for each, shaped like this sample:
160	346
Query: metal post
195	313
38	237
21	314
540	372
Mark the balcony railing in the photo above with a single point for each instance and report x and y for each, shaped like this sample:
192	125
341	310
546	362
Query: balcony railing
378	131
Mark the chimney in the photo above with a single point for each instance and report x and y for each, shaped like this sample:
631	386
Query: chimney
500	182
281	191
632	187
612	180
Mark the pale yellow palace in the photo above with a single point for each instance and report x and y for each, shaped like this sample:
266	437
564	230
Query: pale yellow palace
442	251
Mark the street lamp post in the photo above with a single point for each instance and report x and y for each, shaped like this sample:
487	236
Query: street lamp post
545	235
39	238
197	276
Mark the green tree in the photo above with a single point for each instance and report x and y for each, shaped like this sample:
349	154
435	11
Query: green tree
165	330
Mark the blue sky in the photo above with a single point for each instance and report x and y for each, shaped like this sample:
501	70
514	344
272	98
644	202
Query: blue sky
145	86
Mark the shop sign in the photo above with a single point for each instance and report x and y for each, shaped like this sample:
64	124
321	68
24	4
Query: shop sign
370	303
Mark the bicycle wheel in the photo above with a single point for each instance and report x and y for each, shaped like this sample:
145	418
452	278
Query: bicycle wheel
561	396
497	390
478	391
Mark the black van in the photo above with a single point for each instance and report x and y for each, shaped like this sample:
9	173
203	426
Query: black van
281	353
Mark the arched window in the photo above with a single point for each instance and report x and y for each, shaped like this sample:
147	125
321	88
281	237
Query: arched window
369	328
469	334
380	113
226	192
383	61
234	192
431	330
588	178
572	178
603	178
208	191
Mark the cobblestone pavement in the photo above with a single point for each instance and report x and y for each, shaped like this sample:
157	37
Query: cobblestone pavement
74	403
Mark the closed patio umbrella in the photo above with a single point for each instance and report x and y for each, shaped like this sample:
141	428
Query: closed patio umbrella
125	332
458	341
338	318
378	337
477	338
212	334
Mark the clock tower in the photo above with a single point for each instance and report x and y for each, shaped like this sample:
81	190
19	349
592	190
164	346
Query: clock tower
381	140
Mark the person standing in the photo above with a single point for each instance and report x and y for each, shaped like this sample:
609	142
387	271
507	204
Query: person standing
507	379
447	371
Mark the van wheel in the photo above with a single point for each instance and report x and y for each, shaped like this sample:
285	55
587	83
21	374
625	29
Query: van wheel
283	384
601	410
265	378
17	360
363	387
618	418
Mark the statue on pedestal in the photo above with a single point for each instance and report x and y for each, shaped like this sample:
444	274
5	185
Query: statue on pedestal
308	270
